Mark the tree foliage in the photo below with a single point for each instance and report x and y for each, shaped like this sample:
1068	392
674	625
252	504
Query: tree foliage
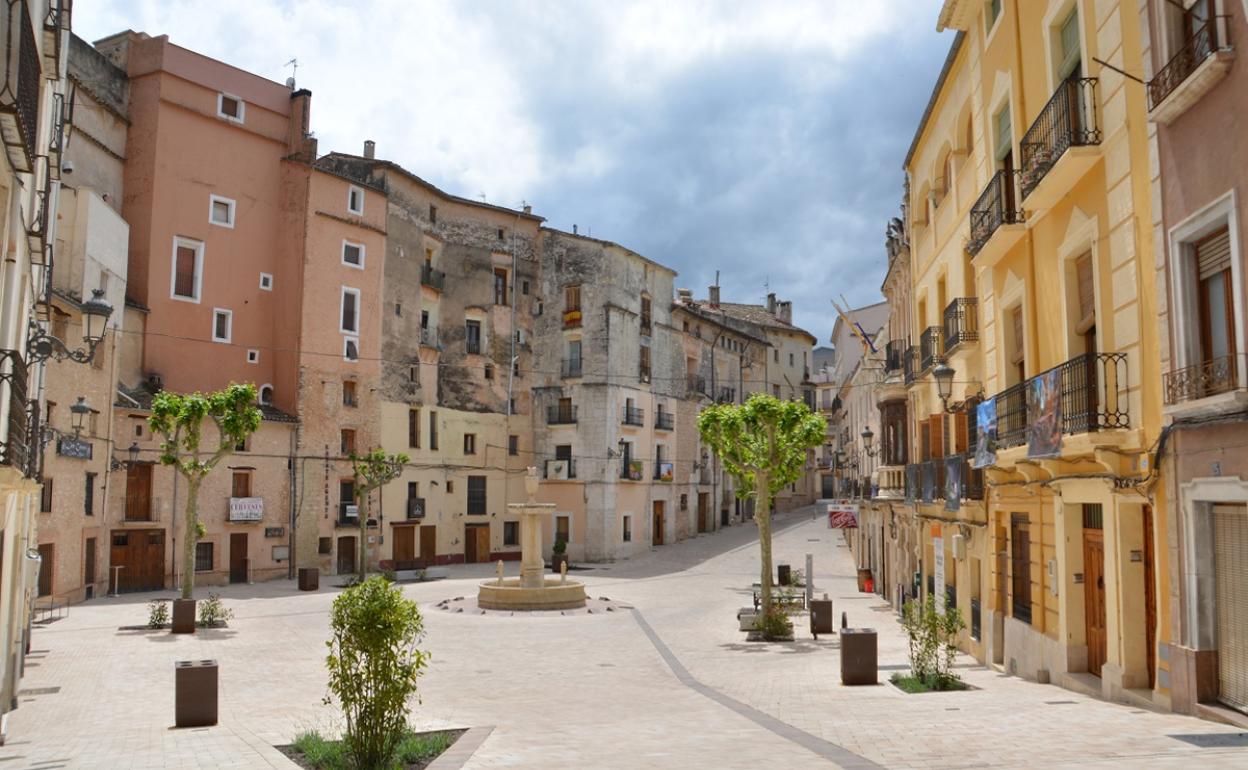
372	471
933	641
762	444
374	665
181	419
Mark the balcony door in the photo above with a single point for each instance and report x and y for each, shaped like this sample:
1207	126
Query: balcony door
1217	329
139	492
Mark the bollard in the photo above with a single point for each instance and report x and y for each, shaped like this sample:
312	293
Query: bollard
844	620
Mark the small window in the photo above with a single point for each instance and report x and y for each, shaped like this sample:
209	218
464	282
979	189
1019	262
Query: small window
413	374
222	324
203	557
472	331
489	371
351	348
413	428
433	215
347	442
476	496
450	486
524	287
511	533
253	356
572	298
45	498
353	254
398	309
501	236
628	529
231	107
324	545
241	484
348	393
790	359
355	200
500	286
433	431
513	445
349	321
470	443
775	355
1004	127
220	211
266	394
187	272
241	446
88	496
266	281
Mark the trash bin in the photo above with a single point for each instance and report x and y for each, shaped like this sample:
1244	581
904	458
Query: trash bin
863	576
784	574
858	656
821	616
309	578
195	693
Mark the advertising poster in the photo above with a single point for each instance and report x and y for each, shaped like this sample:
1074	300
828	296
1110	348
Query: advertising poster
953	483
938	553
912	483
1044	415
986	431
929	482
842	516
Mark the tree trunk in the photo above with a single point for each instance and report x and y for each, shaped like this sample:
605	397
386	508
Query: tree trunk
762	517
190	537
361	568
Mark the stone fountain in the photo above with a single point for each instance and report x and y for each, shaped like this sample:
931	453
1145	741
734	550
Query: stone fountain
532	590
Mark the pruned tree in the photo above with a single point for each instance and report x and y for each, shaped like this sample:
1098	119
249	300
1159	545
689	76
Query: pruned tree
762	444
179	419
372	471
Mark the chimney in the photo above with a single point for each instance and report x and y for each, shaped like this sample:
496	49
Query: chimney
528	209
784	311
370	149
712	295
771	303
299	143
684	296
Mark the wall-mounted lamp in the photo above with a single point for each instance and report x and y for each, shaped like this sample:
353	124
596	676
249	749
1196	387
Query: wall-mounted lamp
78	420
944	374
40	345
133	458
867	438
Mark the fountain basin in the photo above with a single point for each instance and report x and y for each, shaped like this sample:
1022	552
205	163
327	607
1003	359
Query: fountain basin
553	595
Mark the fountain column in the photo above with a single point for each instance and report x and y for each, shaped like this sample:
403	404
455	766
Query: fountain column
531	565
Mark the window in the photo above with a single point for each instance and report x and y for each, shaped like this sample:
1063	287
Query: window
450	486
1020	566
470	443
203	557
1004	135
645	316
231	107
429	257
324	545
424	319
1212	259
266	281
45	497
993	13
500	286
513	445
349	322
1069	56
253	356
88	495
684	502
222	323
628	529
433	430
1016	353
489	371
476	496
266	394
348	393
511	533
347	447
644	372
790	359
563	529
241	486
241	446
351	348
353	254
524	287
187	269
413	428
355	200
413	374
500	234
472	336
220	211
572	298
433	215
775	391
1085	305
775	355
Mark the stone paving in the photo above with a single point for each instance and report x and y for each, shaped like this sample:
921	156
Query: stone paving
669	684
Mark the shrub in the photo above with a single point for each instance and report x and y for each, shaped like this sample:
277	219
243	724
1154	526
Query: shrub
157	613
933	641
373	666
213	613
560	546
776	624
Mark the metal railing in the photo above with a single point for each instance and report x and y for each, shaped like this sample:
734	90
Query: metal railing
1200	46
429	336
931	348
415	507
434	279
56	22
571	368
998	205
572	318
19	87
560	415
559	469
15	451
1068	120
1093	393
664	421
1208	378
893	352
961	322
56	143
1012	416
696	384
635	416
910	363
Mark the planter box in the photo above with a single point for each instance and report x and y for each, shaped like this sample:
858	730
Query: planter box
556	560
183	616
309	578
748	619
195	693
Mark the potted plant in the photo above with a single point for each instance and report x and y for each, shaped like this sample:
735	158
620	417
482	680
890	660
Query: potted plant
559	555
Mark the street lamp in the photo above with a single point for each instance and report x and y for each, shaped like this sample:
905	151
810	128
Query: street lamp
41	345
133	454
79	410
867	438
943	374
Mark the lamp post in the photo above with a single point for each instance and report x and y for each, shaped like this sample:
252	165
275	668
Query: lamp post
943	374
867	438
41	345
78	419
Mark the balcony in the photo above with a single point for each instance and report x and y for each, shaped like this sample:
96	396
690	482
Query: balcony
664	421
15	450
572	318
1192	72
560	415
434	279
429	336
892	482
56	23
1093	397
634	416
931	348
961	322
695	385
894	350
932	479
910	363
1012	416
415	508
571	368
559	470
1061	146
631	470
19	91
348	515
1218	377
996	210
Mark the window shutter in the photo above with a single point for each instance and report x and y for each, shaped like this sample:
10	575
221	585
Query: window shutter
185	278
1020	348
1005	133
1087	294
959	433
1070	45
937	449
1213	254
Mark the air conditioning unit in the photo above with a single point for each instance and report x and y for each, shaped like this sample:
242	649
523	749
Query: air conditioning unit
520	336
557	469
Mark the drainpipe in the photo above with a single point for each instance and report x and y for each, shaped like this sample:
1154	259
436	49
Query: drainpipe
290	465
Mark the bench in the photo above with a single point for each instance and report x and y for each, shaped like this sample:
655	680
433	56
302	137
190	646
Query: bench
794	602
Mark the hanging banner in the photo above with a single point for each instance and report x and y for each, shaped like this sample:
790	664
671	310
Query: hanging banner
953	483
938	571
912	483
929	481
1044	415
986	433
842	516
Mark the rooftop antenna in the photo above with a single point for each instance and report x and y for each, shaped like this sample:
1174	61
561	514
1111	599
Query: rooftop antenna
481	195
294	63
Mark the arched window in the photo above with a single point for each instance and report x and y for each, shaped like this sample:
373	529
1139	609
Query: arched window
266	395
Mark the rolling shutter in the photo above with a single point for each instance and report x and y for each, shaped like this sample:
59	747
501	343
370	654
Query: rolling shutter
1213	254
1230	538
1087	294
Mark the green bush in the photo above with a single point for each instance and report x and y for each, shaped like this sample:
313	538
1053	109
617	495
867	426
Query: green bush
560	546
373	666
776	624
157	613
933	642
213	613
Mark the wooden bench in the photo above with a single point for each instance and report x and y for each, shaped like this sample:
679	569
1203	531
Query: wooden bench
795	602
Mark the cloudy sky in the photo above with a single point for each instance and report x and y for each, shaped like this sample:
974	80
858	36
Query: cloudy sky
763	140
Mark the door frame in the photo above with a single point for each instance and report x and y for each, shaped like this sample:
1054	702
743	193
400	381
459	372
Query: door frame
235	538
658	523
1095	538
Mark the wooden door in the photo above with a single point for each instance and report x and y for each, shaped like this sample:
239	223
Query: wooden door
1094	597
1150	597
658	523
47	556
238	557
429	545
88	567
139	492
141	555
404	546
703	512
483	543
346	555
476	543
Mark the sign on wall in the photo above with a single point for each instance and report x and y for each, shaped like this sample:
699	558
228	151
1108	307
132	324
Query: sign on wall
73	447
246	508
842	515
938	570
274	531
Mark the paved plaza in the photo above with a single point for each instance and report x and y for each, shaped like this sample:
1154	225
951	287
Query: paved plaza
670	683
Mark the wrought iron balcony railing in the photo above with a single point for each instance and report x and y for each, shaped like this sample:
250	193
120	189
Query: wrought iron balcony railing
19	87
434	279
1012	416
634	416
910	363
893	351
961	322
571	368
1068	120
415	507
998	205
559	469
664	420
15	450
931	348
1199	47
696	385
1208	378
1093	397
560	415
